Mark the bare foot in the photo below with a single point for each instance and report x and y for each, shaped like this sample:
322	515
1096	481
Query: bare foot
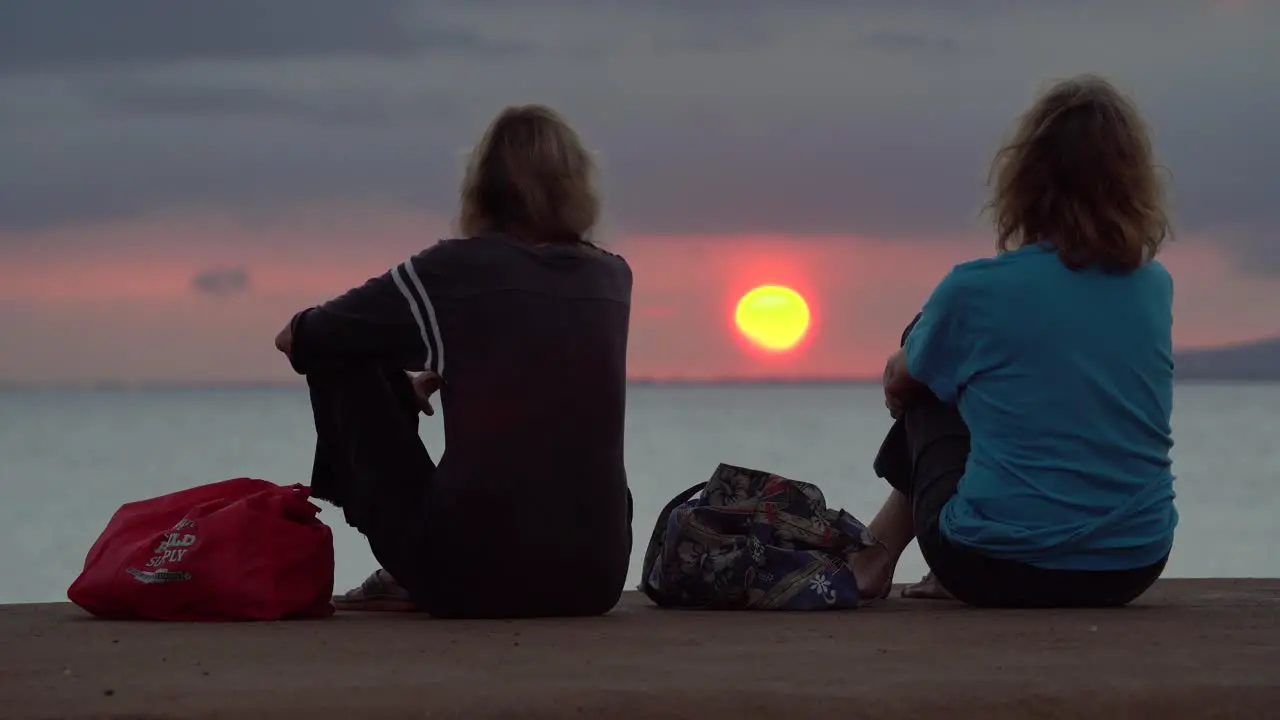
873	571
927	589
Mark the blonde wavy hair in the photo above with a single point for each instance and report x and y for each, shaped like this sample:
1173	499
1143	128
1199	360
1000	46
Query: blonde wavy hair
1079	176
530	177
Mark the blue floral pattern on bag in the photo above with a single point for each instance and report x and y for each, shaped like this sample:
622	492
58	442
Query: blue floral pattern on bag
752	540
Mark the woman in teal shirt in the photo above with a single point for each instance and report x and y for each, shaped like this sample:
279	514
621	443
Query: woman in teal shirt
1033	392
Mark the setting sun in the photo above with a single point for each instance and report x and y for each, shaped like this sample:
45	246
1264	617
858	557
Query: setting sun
773	317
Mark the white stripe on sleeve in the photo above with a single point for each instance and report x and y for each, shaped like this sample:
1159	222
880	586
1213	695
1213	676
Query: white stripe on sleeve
431	324
413	308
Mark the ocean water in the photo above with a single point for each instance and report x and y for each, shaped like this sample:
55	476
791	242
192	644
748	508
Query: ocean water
68	459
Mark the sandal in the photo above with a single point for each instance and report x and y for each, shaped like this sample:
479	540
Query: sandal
378	593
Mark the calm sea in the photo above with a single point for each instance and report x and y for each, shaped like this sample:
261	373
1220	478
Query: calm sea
68	459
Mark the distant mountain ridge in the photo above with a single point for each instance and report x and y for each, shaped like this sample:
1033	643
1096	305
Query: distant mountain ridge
1256	360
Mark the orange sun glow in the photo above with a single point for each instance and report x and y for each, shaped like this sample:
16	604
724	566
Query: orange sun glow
774	318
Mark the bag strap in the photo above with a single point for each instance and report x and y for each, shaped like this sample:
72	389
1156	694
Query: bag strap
654	551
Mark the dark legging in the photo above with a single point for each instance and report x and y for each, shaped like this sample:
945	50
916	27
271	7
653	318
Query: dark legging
924	457
456	557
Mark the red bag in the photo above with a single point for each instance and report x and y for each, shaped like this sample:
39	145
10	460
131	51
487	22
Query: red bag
241	549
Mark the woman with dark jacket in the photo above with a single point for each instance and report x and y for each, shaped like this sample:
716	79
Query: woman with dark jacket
521	326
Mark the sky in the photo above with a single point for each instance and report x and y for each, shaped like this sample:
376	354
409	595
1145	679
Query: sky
178	178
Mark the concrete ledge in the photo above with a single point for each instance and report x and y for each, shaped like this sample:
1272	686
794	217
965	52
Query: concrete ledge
1189	648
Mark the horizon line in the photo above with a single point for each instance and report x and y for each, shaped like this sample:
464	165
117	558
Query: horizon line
145	385
107	384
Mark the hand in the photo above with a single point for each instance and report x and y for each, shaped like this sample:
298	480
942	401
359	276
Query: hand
896	385
895	406
424	386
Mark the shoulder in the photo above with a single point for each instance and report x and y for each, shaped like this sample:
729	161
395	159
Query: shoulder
447	249
981	270
986	281
965	277
502	246
612	260
477	264
1158	273
454	256
1027	259
605	273
1153	282
1008	270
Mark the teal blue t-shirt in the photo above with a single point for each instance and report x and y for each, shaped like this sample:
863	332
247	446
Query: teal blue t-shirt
1065	379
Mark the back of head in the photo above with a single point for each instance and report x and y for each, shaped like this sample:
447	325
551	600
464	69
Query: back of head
530	177
1079	176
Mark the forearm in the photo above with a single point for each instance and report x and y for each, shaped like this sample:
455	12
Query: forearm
320	338
379	322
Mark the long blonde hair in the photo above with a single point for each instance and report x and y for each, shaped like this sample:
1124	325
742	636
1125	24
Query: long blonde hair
1079	176
530	177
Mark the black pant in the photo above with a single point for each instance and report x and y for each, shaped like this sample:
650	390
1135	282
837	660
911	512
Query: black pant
448	555
924	457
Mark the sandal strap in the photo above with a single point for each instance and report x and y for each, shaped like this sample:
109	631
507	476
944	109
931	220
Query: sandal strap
379	584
